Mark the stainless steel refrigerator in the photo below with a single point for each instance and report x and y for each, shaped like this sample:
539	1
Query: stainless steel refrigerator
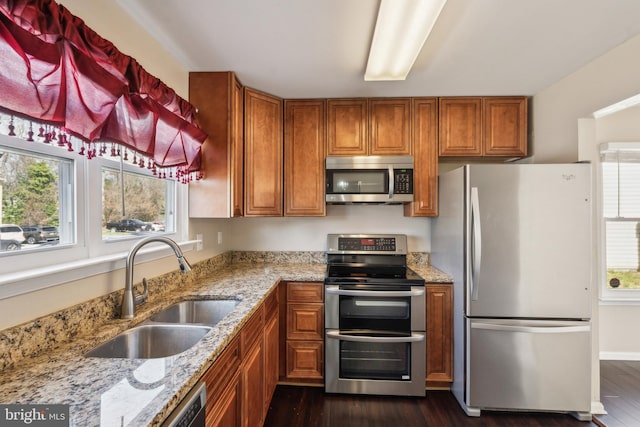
517	240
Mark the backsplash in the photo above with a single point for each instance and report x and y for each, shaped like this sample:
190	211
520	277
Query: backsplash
45	333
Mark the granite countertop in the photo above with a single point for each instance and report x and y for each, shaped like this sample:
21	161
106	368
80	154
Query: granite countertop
136	392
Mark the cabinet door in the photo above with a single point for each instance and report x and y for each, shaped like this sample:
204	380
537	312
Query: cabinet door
505	126
390	126
271	361
305	360
439	330
237	150
226	409
218	98
253	386
263	154
347	127
460	126
425	152
304	146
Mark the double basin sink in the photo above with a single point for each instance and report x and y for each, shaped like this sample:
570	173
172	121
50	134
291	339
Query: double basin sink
167	333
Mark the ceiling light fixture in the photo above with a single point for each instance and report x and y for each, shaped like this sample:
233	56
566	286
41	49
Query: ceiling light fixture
401	29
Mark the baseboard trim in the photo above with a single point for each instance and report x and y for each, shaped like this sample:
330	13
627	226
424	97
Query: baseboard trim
619	355
597	408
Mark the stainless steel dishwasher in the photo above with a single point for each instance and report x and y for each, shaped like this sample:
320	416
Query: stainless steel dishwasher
191	411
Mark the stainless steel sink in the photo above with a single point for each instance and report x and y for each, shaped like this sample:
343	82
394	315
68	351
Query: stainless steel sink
149	341
207	312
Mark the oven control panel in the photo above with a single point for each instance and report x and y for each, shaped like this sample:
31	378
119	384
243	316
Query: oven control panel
361	243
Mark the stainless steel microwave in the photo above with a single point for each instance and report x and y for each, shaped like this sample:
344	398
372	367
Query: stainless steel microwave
369	179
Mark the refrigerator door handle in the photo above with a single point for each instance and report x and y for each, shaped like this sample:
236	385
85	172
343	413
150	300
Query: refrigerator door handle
476	243
531	329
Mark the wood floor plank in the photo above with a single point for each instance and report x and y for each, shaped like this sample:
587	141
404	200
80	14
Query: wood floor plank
306	406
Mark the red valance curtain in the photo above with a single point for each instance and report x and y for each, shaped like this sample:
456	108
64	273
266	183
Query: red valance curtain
55	69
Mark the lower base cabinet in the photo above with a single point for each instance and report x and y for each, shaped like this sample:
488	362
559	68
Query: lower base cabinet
241	382
439	328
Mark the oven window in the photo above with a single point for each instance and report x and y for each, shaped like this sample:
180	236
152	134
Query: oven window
376	361
374	181
376	313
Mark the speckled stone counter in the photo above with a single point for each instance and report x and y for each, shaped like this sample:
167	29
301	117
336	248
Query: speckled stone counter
121	392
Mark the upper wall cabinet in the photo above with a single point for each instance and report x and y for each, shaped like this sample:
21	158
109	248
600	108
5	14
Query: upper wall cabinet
263	154
483	126
425	157
376	126
304	147
389	126
218	98
347	127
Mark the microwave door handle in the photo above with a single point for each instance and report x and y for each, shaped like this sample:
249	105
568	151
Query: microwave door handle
391	182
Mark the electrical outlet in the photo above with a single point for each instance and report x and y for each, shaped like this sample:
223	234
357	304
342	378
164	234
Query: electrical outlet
219	237
200	243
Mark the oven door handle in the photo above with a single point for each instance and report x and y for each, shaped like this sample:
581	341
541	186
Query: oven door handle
335	290
415	337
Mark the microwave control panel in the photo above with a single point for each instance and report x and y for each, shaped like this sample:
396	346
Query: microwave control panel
403	181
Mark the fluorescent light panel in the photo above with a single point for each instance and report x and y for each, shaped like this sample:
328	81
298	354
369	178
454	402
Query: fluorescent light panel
401	30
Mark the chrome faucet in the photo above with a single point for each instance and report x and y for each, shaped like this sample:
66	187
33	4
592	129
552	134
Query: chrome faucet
130	300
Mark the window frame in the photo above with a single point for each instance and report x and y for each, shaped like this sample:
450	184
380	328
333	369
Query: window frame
90	254
608	295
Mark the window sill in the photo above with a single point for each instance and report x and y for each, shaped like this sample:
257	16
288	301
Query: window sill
23	282
606	301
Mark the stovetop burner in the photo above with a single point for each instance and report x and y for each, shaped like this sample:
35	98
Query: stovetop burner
369	259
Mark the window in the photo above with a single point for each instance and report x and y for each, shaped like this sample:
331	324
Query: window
37	193
47	190
620	172
135	202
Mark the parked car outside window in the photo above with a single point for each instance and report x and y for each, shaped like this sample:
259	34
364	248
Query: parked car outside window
11	232
40	234
10	245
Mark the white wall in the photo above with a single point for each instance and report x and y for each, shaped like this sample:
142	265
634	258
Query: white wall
556	113
310	234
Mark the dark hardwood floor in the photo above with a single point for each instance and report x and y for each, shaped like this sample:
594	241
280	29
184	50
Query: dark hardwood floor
620	393
309	407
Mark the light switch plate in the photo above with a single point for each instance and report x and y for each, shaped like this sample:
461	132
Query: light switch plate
200	243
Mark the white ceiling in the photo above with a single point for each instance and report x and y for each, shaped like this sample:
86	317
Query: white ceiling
319	48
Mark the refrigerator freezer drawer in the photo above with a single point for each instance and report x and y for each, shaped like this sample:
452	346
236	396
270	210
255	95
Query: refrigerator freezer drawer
529	365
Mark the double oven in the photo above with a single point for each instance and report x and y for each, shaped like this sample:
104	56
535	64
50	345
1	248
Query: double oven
374	317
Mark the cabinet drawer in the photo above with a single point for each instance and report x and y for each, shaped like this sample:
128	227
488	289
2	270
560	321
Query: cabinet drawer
305	359
305	321
252	331
305	292
271	305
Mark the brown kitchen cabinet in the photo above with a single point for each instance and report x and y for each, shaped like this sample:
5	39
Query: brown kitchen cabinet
271	347
223	388
347	127
483	127
263	155
241	381
439	330
304	148
218	98
425	158
362	126
304	344
389	126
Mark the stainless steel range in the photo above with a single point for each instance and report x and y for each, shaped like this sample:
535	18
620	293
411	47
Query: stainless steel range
374	317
